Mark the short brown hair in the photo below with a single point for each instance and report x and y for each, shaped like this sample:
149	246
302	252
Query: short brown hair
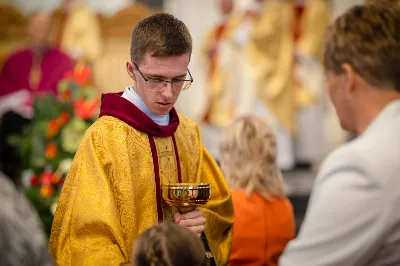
161	34
248	157
384	3
168	244
367	38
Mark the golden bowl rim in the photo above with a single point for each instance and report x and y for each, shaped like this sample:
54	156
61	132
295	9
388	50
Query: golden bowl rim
186	186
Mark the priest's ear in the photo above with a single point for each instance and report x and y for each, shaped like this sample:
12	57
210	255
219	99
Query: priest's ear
130	68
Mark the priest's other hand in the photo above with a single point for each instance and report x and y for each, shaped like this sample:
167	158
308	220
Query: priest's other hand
193	220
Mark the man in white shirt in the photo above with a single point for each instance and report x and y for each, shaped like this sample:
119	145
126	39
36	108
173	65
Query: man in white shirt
353	217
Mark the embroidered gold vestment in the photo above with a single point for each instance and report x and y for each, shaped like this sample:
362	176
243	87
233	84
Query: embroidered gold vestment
112	192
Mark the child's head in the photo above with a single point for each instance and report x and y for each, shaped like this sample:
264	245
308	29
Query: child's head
248	157
168	244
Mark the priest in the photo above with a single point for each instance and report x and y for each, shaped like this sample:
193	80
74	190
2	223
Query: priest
218	57
78	31
112	193
312	19
39	67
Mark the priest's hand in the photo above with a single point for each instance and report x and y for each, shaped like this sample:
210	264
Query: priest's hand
193	220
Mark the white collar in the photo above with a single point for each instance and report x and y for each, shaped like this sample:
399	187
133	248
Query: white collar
131	95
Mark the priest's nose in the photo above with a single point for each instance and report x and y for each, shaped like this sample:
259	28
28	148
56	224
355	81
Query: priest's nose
167	91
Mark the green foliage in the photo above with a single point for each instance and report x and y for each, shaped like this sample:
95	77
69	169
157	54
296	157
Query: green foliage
42	205
55	125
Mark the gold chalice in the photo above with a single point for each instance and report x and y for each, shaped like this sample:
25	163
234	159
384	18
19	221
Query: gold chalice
186	196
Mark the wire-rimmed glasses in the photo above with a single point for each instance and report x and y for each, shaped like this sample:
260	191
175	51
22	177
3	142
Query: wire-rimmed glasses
155	84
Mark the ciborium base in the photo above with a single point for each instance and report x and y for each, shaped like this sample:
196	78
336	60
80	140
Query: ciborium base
185	209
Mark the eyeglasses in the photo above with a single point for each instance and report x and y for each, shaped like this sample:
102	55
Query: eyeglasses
160	84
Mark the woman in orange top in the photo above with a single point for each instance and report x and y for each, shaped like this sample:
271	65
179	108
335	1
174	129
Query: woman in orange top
264	219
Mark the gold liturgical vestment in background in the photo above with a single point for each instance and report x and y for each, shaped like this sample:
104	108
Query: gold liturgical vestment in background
112	193
78	33
270	50
221	109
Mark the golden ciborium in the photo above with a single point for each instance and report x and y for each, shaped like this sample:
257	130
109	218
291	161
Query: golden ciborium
186	196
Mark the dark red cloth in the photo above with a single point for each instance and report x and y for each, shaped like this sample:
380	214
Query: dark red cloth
15	73
112	104
297	30
154	154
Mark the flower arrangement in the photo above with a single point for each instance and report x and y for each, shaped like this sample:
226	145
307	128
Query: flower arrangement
50	142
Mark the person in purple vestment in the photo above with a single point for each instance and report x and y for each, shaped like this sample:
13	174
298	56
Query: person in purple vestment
37	68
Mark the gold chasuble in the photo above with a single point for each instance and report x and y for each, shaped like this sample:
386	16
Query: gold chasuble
112	193
81	34
270	51
221	105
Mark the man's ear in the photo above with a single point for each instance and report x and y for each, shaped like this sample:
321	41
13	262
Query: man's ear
349	79
130	68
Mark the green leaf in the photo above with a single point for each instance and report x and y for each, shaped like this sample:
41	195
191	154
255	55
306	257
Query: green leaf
15	140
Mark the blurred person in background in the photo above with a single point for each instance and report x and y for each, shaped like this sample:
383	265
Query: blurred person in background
264	217
36	69
353	216
11	123
77	31
214	56
311	21
22	239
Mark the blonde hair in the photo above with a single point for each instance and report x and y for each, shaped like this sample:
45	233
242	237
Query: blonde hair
367	38
248	157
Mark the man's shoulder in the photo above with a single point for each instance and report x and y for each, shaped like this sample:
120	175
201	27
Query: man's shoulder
109	121
365	155
188	131
347	150
55	52
347	157
20	53
107	126
187	124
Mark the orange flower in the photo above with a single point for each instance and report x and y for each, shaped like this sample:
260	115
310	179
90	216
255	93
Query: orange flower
63	118
80	75
86	109
66	95
52	129
51	151
55	179
46	191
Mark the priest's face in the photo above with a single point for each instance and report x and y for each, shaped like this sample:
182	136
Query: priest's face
38	31
159	99
226	6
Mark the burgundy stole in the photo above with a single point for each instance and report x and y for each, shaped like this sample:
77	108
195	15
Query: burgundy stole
112	104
